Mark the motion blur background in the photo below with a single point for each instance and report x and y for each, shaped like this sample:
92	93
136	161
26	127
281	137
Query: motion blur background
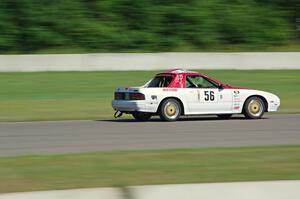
33	154
85	26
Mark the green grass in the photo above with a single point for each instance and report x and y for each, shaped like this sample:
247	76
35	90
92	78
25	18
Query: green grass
117	169
87	95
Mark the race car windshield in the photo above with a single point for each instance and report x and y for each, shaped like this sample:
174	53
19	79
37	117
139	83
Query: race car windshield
160	81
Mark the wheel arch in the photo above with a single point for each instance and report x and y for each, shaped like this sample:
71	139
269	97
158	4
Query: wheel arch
259	96
177	99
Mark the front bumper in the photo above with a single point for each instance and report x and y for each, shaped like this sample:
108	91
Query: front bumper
274	104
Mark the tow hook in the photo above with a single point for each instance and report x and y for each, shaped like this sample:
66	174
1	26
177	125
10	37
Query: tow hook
118	114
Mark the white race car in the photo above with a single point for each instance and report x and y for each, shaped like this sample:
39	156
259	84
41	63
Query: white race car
179	92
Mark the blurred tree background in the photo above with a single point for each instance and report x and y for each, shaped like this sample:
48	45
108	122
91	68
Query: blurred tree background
70	26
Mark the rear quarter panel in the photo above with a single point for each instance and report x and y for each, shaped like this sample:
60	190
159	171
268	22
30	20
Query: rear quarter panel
154	96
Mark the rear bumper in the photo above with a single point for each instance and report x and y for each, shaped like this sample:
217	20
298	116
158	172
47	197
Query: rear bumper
129	105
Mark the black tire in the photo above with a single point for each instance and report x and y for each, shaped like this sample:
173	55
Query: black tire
170	110
254	108
140	116
224	116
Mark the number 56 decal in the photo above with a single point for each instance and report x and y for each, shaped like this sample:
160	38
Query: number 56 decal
209	95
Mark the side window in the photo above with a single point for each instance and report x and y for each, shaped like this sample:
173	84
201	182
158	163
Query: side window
199	82
160	81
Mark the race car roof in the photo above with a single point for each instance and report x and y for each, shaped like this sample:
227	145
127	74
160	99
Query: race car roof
188	72
178	70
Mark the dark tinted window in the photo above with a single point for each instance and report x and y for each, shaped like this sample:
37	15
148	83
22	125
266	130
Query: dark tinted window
160	81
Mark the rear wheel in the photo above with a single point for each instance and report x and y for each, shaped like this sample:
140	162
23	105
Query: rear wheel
140	116
224	116
170	110
254	108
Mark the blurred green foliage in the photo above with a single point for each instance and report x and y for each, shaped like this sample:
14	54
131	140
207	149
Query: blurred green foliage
28	26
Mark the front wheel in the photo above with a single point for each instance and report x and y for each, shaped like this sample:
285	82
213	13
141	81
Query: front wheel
170	110
140	116
254	108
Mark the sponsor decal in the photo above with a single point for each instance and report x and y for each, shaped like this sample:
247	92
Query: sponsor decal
236	106
236	96
180	81
180	77
170	89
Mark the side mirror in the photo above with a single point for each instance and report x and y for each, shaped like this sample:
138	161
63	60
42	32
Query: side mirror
220	86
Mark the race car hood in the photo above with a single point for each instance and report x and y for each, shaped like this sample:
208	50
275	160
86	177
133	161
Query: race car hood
237	87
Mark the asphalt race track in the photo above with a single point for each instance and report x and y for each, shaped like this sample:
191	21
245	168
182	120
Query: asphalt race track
84	136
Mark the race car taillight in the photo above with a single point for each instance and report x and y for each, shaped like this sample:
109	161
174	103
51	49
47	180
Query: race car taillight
129	96
137	96
119	96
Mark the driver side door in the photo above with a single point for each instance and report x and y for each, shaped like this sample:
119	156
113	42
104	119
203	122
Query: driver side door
205	96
